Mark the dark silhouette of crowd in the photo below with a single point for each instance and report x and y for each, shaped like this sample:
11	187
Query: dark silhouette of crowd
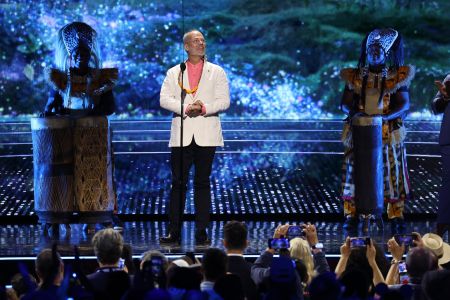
294	266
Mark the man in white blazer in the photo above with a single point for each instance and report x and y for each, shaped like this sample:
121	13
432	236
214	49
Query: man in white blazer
207	94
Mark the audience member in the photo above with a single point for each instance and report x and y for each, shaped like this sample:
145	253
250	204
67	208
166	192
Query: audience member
110	281
436	285
235	242
229	287
49	268
214	266
419	260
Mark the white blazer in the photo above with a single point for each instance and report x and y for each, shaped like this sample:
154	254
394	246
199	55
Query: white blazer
213	91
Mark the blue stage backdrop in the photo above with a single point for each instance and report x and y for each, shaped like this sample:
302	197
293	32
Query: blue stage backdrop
282	57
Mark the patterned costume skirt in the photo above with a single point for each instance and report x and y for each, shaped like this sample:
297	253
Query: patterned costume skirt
395	173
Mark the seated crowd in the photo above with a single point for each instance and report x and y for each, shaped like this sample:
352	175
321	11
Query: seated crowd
292	267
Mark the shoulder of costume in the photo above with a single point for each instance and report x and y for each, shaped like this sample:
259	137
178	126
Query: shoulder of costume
447	78
351	76
56	78
401	77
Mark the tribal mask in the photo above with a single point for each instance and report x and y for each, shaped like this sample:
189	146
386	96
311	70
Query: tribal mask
385	38
78	35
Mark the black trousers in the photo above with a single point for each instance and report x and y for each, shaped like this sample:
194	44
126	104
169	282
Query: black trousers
202	159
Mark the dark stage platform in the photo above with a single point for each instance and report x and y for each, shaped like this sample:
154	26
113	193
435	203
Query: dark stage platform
269	171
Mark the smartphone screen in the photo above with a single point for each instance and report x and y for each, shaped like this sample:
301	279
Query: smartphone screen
294	231
357	242
277	244
403	273
406	239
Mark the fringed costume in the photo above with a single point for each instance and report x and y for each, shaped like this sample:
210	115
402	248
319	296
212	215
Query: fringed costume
378	95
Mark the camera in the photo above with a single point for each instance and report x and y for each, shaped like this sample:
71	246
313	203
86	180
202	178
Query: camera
403	273
295	231
356	242
406	239
278	243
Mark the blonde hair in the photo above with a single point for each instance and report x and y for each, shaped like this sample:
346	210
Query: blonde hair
299	249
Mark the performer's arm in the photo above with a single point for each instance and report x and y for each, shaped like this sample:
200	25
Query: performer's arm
221	96
347	101
400	104
54	102
168	97
441	99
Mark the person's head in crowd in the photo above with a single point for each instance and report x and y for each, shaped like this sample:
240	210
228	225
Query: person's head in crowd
420	260
282	279
436	285
230	287
437	245
147	256
235	237
127	256
325	286
214	264
300	249
380	258
358	260
302	271
184	278
108	246
356	283
49	268
19	284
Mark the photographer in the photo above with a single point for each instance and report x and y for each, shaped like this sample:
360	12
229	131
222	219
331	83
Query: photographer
271	274
361	258
419	261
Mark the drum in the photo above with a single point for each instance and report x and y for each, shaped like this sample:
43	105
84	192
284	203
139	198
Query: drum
368	164
53	169
93	172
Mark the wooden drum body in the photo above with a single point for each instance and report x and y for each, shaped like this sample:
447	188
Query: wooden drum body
73	169
53	169
93	172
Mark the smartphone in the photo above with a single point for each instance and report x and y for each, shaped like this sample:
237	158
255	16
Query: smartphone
403	273
295	231
157	266
406	239
121	263
362	241
278	243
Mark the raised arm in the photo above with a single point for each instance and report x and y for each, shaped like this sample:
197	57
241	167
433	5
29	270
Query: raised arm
442	98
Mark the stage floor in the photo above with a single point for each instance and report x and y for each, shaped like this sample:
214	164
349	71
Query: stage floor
267	168
26	240
269	171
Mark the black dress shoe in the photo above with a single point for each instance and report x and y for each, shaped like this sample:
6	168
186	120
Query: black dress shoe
201	237
172	238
